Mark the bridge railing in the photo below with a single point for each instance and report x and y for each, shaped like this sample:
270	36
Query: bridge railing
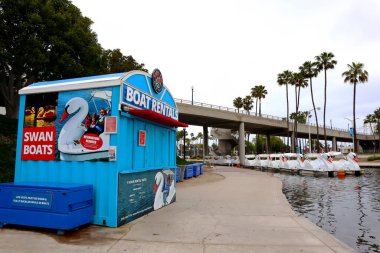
253	114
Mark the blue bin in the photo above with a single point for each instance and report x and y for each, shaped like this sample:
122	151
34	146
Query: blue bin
201	168
188	171
196	169
49	205
177	174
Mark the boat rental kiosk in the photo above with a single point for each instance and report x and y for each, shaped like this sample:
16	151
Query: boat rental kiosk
116	132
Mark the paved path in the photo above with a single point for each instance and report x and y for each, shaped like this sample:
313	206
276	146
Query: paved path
224	210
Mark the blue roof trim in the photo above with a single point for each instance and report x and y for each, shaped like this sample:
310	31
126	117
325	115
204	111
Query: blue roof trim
79	79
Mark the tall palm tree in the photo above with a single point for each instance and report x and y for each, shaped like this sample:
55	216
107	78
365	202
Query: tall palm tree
238	103
284	79
247	103
299	81
371	119
377	115
260	92
325	61
310	70
254	95
354	75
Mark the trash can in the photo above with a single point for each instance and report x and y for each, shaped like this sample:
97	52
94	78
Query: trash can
177	174
49	205
196	169
188	171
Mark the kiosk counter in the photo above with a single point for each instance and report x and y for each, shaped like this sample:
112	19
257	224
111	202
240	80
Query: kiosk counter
115	132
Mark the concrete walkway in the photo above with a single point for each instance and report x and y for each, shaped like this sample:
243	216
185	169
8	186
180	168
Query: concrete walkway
224	210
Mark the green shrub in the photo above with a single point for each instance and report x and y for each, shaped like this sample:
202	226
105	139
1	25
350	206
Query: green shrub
373	158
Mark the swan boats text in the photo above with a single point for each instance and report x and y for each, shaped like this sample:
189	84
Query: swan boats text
142	100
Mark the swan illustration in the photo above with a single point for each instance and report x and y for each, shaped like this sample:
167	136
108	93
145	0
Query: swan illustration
68	145
158	189
164	189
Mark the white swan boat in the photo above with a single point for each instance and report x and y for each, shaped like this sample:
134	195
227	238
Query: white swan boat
261	161
348	163
249	160
290	162
275	161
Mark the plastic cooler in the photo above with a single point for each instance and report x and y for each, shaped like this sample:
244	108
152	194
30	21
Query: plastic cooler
49	205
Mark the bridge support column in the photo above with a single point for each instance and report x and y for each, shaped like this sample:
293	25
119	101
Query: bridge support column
205	141
267	144
334	144
241	143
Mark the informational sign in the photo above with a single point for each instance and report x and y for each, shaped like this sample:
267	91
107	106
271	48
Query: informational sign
143	192
351	131
38	143
142	138
110	125
32	199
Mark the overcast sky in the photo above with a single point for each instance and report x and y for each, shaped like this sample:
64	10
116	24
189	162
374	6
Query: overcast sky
224	48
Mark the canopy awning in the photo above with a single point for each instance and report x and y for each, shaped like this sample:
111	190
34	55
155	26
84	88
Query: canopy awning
156	117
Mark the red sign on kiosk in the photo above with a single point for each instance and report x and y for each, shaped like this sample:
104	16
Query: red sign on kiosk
142	137
38	143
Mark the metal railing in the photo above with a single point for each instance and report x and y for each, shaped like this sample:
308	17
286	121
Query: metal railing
253	114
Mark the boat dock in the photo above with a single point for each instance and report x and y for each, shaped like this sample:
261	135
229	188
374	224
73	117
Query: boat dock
225	210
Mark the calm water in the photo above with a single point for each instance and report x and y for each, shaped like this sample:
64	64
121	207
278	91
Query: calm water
347	208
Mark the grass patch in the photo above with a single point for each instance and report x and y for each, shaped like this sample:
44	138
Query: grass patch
373	158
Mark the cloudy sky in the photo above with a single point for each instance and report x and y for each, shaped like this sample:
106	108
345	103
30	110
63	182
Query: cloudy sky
224	48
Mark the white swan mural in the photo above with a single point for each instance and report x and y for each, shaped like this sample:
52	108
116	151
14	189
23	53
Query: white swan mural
164	189
69	144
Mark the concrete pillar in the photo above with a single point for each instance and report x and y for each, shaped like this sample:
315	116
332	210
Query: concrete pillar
334	144
267	144
241	143
205	141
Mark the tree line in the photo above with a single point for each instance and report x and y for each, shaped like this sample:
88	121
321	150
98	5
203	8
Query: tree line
50	40
301	78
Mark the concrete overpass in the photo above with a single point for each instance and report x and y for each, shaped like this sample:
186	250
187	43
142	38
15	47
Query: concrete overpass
206	115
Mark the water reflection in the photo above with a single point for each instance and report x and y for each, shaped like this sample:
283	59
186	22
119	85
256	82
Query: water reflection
349	208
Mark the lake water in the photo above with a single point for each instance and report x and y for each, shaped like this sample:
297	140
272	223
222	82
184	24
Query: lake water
348	208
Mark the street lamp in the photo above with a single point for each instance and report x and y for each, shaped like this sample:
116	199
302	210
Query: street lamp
192	94
308	122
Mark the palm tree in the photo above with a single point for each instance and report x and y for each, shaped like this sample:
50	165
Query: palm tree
247	103
377	115
371	119
309	70
254	95
299	81
325	61
260	92
238	103
354	75
284	79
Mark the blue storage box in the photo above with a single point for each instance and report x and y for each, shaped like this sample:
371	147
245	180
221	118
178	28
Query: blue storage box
188	171
196	169
49	205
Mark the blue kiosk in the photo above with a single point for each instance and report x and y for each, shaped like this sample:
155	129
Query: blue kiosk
115	132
